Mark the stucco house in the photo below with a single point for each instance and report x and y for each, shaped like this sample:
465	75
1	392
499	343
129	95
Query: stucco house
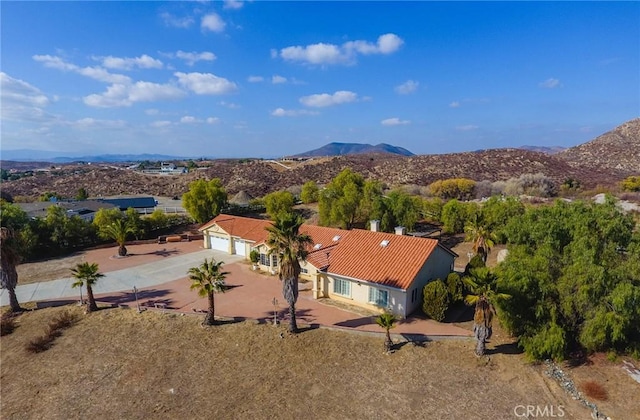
376	270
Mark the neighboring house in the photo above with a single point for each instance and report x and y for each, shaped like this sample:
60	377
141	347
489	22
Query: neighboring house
371	269
140	204
85	209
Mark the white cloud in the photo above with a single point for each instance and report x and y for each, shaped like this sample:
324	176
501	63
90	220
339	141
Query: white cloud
394	121
407	87
232	4
315	54
193	57
21	101
281	112
454	104
118	95
161	123
255	79
89	123
230	105
278	80
386	44
151	111
175	21
550	83
213	120
205	83
188	119
469	127
324	54
127	63
325	99
212	22
96	73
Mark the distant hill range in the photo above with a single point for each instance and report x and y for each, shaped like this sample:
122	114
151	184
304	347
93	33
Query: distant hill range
551	150
605	160
341	149
27	155
618	149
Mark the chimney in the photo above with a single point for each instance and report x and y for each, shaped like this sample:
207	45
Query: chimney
375	225
400	230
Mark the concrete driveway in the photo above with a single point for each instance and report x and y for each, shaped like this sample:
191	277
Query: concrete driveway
141	276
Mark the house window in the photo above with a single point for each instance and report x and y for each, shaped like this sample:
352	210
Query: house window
378	297
274	261
264	259
414	295
342	287
304	271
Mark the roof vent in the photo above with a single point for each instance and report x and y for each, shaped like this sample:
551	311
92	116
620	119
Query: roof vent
317	246
336	238
384	243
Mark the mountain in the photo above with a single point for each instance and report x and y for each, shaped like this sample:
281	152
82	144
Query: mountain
26	155
549	150
618	149
341	149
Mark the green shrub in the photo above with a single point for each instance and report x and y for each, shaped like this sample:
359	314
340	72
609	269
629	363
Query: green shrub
631	183
475	262
254	256
455	287
436	300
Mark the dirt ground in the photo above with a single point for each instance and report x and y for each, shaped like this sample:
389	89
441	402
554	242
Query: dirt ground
106	258
117	363
167	366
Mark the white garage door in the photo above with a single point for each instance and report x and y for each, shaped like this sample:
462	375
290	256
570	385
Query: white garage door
240	247
220	244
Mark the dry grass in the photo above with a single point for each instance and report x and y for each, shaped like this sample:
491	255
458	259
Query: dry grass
51	269
594	391
7	323
120	364
54	329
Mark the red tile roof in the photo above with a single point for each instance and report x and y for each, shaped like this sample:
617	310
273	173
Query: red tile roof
383	258
241	227
377	257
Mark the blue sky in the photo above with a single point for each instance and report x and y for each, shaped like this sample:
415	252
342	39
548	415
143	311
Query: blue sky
267	79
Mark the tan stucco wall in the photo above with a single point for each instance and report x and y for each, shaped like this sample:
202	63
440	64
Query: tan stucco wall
438	265
360	296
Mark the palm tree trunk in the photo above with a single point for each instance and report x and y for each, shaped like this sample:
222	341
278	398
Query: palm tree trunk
290	293
13	300
210	319
9	280
122	250
91	302
388	344
293	326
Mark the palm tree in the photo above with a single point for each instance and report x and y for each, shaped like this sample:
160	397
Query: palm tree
9	259
87	274
208	279
290	246
483	239
387	321
484	294
119	230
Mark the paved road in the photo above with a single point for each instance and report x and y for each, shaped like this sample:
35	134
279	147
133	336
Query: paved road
141	276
